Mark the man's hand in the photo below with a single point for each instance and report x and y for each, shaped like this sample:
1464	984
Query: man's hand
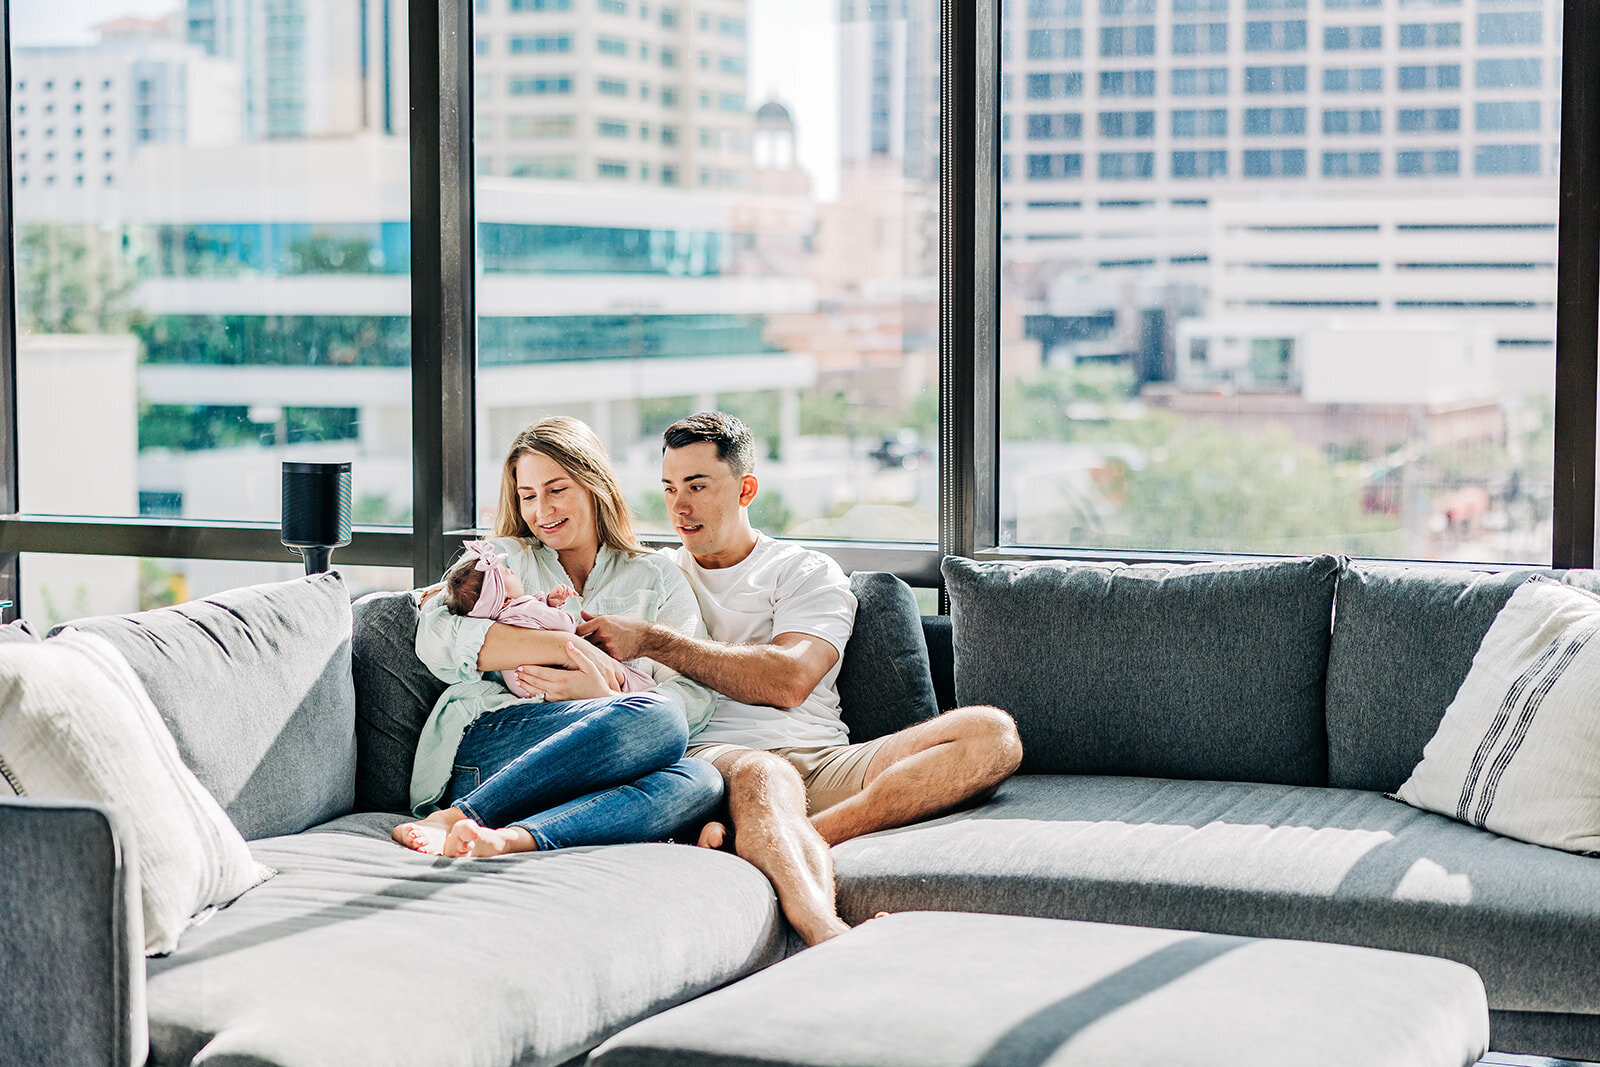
623	636
580	680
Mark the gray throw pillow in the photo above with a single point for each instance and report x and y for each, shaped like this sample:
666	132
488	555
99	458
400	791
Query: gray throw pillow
1403	642
394	695
255	686
1203	671
885	683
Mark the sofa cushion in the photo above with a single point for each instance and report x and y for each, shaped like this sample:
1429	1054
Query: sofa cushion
75	724
255	686
943	990
394	694
1256	860
361	951
885	683
1207	670
1403	641
1518	751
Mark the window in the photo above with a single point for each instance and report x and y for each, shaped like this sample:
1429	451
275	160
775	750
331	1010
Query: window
540	86
517	6
1512	115
1345	38
1274	162
1202	38
1128	41
1352	164
1365	121
1066	125
1200	81
1127	83
611	46
611	87
1428	120
1439	162
1210	164
1352	80
1199	7
1127	7
1506	159
1274	121
1288	35
540	127
1055	44
1510	28
1115	124
1507	74
1275	79
1442	76
1055	167
1211	122
1115	166
545	43
612	7
611	128
1430	35
606	168
1055	9
1054	86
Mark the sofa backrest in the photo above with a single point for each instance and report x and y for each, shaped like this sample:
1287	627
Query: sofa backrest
1403	641
1205	671
255	686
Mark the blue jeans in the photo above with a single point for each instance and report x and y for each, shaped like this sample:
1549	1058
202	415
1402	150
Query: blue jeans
583	772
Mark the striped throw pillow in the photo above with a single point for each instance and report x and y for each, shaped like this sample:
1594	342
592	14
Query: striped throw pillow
1518	750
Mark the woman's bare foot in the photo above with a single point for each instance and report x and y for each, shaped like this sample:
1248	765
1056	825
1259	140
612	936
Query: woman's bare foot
467	838
428	835
715	835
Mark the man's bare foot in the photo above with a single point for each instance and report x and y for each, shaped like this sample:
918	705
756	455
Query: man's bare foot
467	838
715	835
428	835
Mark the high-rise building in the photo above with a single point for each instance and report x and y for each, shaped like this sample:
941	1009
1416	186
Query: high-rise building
310	68
889	85
619	91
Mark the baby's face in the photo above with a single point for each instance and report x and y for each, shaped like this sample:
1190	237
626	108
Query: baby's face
513	583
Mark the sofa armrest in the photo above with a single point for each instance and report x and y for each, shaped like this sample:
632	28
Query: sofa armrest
71	936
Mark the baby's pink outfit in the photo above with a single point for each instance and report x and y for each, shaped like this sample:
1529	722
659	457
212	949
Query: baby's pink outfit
533	613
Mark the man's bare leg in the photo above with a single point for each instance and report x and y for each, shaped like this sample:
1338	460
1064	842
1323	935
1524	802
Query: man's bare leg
927	769
428	835
767	803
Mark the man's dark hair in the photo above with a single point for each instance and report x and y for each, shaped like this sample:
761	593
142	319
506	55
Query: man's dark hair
736	445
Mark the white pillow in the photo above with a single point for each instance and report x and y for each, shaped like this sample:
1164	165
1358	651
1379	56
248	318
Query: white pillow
1518	750
75	723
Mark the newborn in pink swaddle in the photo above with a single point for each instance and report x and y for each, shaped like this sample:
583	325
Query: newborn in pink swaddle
481	586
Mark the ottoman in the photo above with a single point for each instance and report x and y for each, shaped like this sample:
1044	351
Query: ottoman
926	989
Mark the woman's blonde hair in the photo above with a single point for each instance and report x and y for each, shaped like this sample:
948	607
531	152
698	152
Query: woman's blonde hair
572	446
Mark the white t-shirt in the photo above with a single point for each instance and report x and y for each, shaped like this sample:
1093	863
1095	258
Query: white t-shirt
779	588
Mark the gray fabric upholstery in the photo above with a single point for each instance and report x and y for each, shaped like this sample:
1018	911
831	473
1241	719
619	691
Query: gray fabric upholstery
394	694
1568	1037
255	685
1255	860
885	683
361	951
1403	641
71	936
924	990
1208	670
937	632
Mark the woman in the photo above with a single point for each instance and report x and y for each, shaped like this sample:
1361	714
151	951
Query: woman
581	763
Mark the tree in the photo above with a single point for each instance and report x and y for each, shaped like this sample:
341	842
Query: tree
71	279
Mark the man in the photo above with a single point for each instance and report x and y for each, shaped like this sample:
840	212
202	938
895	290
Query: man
779	616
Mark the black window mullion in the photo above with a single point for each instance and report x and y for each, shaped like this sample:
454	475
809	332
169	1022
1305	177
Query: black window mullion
10	563
1577	291
442	262
969	279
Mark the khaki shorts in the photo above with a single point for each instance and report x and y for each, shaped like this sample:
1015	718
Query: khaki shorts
831	773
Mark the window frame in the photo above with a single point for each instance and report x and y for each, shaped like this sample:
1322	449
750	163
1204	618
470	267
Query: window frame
441	47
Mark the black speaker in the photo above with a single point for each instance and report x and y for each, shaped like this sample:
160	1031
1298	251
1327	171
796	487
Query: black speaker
316	510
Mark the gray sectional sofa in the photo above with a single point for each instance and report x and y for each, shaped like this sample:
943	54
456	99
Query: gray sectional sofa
1208	748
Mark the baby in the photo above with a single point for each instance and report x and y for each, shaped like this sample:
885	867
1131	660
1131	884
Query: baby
481	586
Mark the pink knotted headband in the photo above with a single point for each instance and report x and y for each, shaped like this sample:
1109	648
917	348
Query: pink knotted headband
493	596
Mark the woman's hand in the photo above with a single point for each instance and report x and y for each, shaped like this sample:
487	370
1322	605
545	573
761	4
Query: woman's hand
580	680
609	668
